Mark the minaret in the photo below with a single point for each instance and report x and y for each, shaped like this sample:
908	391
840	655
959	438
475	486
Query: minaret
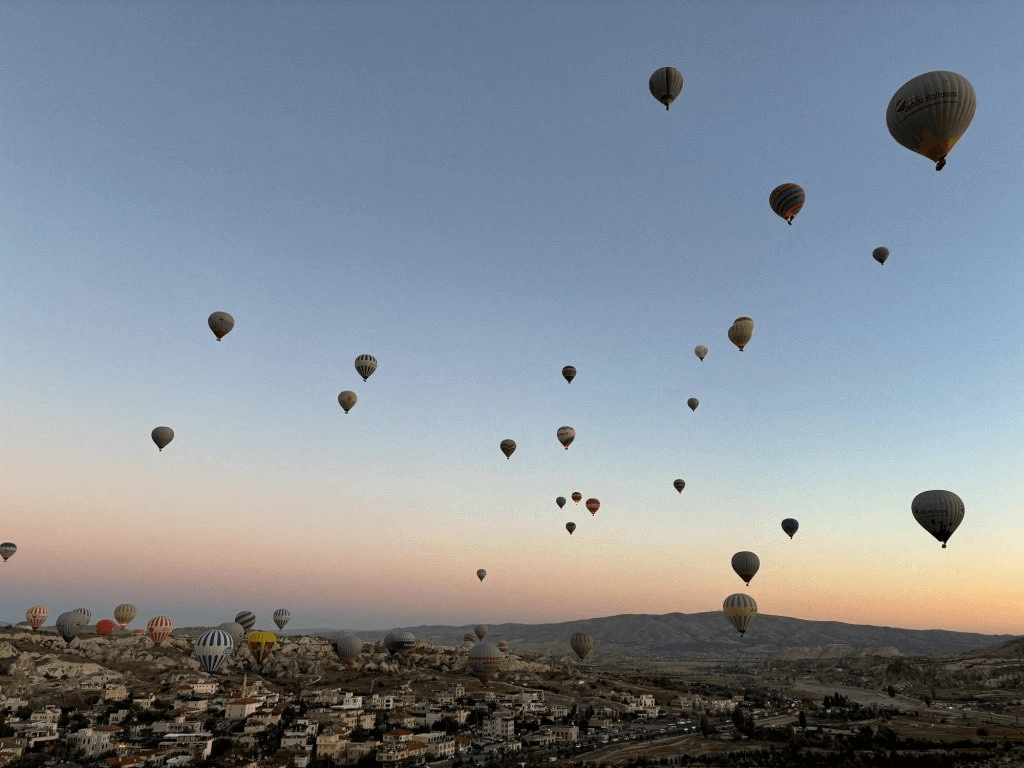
245	679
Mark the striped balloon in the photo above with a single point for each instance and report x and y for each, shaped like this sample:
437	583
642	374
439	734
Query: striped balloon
485	661
281	617
159	628
348	648
929	114
740	610
938	512
36	616
665	85
212	648
787	200
366	365
741	331
582	644
745	564
124	613
247	619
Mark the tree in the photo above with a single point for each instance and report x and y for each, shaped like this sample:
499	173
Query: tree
891	690
803	718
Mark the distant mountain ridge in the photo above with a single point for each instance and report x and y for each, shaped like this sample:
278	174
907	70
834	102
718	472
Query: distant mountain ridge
708	634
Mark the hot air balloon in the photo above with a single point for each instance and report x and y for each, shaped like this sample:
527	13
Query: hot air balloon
366	365
221	324
106	627
593	505
560	501
938	512
281	617
929	113
481	573
399	643
740	610
260	645
880	254
159	628
480	630
569	372
582	644
679	485
235	630
700	351
7	550
36	616
162	436
787	200
789	525
247	619
347	400
693	402
508	447
212	647
348	648
124	613
665	85
570	527
23	625
745	564
485	661
470	639
566	435
741	331
502	646
70	624
577	497
85	613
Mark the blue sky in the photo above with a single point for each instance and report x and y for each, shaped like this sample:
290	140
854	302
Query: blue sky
479	194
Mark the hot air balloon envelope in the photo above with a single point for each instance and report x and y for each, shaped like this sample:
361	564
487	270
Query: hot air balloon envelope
570	527
741	331
679	485
124	613
880	254
159	628
347	400
790	526
582	644
593	505
929	113
281	617
565	436
260	645
700	351
212	648
569	372
481	573
221	324
787	200
36	616
740	610
938	512
745	564
560	501
485	661
508	447
665	85
162	436
366	365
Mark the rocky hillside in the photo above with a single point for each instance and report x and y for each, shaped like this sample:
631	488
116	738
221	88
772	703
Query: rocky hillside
706	634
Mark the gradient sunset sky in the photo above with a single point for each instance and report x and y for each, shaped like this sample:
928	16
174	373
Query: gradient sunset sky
479	194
